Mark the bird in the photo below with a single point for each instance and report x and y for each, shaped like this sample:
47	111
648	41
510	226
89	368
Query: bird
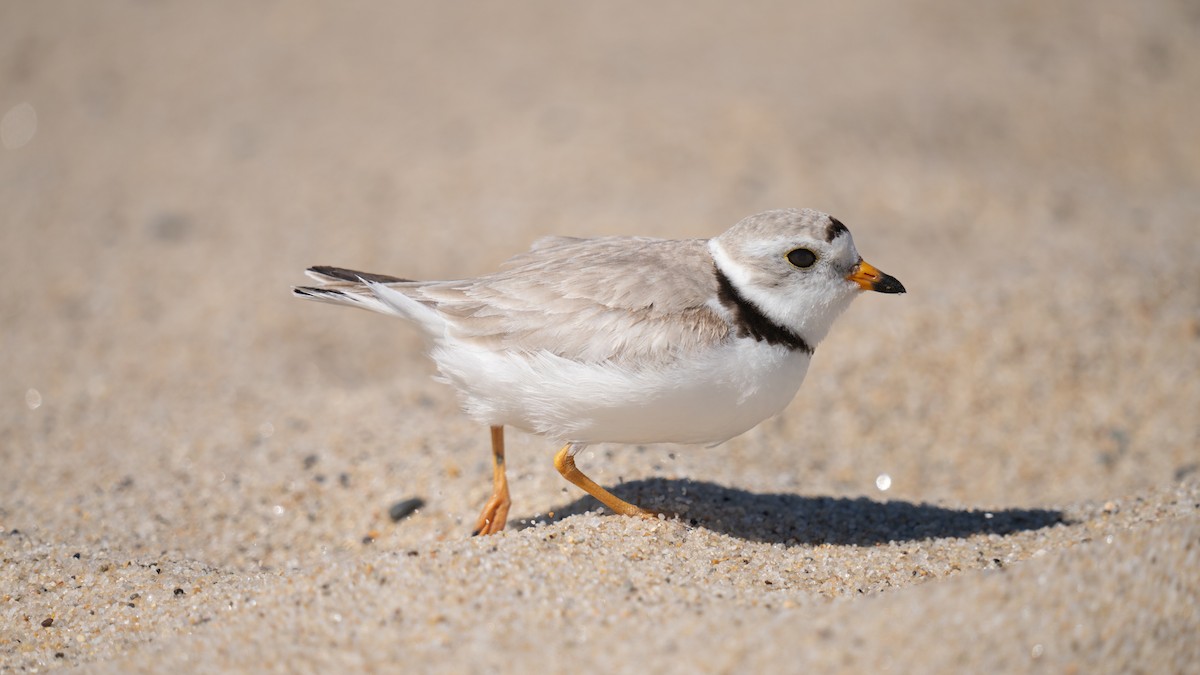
633	340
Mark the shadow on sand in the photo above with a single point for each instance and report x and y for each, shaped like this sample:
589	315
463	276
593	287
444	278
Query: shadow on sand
793	519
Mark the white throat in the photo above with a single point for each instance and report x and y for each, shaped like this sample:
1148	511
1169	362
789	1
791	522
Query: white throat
808	309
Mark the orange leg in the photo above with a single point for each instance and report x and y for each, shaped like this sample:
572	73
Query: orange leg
564	461
495	512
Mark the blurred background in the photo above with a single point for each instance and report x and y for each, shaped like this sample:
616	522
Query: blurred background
1029	170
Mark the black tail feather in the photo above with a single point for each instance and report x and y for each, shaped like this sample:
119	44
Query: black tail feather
352	275
315	292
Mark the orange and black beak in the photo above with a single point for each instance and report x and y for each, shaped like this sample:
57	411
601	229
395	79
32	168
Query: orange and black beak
870	279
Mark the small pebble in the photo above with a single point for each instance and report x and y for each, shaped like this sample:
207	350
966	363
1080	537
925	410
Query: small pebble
403	509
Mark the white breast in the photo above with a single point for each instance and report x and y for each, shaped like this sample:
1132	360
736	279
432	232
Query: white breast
708	398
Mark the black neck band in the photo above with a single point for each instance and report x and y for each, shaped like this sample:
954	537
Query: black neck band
749	321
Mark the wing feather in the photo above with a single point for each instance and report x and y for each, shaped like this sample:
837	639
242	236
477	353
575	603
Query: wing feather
625	300
617	299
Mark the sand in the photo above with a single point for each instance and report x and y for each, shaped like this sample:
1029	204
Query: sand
997	472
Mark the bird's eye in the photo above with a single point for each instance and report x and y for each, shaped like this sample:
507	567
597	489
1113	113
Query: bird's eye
802	258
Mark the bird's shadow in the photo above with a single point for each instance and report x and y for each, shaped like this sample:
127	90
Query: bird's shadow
792	519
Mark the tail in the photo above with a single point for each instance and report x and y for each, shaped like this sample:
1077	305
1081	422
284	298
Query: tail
366	290
326	274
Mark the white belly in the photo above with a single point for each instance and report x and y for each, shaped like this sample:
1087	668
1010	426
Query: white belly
707	399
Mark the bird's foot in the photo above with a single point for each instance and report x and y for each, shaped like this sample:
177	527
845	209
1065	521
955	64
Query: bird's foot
494	515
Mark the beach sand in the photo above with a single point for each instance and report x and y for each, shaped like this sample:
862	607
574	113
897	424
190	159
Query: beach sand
996	472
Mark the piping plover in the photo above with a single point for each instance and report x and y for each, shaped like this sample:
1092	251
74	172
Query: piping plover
629	339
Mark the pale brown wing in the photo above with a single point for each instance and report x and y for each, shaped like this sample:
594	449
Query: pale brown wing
620	299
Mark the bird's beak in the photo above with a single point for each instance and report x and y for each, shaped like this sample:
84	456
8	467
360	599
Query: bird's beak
870	279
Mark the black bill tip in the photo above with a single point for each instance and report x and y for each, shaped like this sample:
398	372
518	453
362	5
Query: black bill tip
888	284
